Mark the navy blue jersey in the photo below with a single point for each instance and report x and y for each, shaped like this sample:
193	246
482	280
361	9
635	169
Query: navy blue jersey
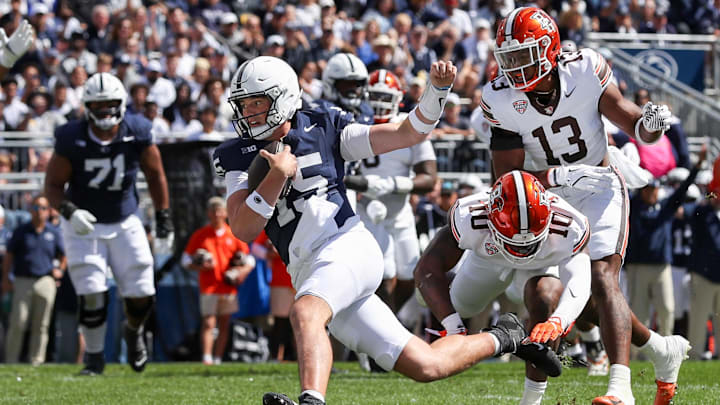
315	141
103	176
681	239
364	114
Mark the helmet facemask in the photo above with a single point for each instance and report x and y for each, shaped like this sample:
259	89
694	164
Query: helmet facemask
520	248
351	93
105	114
385	103
524	64
244	124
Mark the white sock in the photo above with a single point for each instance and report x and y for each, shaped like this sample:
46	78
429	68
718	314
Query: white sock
574	350
217	360
619	384
533	393
207	358
593	335
314	394
655	345
94	338
496	342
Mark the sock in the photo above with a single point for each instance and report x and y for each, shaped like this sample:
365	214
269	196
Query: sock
654	345
314	394
619	384
207	358
533	393
217	360
574	350
496	342
94	338
593	335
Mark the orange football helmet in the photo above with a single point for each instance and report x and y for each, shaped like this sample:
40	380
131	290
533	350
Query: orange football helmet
384	95
527	47
519	216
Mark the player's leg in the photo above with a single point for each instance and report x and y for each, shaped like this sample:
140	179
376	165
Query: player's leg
541	296
132	265
664	301
407	254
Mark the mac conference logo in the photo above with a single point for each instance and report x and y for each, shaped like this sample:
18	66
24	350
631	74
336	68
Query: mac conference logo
660	61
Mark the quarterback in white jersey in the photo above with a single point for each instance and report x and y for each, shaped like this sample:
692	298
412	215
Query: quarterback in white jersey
386	182
545	110
519	235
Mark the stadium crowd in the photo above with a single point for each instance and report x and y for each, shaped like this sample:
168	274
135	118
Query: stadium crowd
176	59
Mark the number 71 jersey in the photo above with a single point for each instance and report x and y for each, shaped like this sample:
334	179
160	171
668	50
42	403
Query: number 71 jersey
569	131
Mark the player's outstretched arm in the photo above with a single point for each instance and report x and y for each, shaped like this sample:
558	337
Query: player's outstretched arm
646	124
422	119
58	173
430	273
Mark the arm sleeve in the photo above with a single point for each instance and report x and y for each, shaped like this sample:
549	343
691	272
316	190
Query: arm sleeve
575	276
235	180
355	142
467	220
503	139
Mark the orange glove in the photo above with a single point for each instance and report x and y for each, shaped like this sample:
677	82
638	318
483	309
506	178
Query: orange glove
548	330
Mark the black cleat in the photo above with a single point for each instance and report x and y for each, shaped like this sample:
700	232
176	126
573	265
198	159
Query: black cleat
274	398
137	352
94	364
511	334
307	399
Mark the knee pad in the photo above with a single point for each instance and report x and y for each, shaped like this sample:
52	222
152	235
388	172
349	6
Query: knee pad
140	307
93	309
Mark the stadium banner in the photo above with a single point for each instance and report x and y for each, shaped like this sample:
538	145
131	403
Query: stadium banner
684	65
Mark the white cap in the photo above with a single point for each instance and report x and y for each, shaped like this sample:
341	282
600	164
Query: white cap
326	3
275	40
678	174
482	23
693	193
228	18
154	66
39	8
383	40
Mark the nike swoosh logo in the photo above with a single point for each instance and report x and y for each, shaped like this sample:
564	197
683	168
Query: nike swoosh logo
569	93
128	138
139	362
307	129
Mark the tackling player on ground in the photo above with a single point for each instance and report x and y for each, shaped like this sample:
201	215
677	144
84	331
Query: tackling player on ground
545	110
519	237
334	262
98	159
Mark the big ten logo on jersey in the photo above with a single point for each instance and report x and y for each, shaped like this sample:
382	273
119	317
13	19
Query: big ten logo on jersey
559	223
316	183
478	216
102	168
543	20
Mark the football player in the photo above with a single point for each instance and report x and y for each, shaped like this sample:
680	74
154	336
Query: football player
98	158
518	237
12	48
386	182
345	84
334	262
545	110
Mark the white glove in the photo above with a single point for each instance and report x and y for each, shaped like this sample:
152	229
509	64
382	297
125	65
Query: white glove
377	211
164	246
378	186
82	221
656	117
15	46
582	177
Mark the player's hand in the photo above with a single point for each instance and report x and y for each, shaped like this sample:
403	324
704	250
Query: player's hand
378	186
164	232
283	162
376	211
546	331
582	177
82	221
15	46
656	117
442	74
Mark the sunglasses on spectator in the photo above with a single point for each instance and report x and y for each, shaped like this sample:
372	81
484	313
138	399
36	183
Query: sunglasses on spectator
40	207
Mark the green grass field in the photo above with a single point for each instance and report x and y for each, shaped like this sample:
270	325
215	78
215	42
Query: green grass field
191	383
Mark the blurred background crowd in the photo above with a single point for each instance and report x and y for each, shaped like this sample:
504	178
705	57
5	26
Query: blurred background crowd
176	59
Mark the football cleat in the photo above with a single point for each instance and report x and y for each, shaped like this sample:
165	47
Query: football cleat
607	400
597	358
665	393
667	363
274	398
511	334
137	352
94	364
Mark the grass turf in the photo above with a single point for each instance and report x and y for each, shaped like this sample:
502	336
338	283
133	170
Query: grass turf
192	383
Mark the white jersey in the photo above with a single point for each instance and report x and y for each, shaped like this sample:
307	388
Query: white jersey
570	132
569	231
398	163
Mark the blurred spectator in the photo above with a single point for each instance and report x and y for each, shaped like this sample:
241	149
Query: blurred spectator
126	71
706	18
41	118
449	48
325	48
99	30
432	212
383	46
423	56
297	46
200	75
187	63
649	253
121	34
208	116
15	110
212	12
274	46
223	263
162	90
479	45
151	112
382	13
78	77
276	24
186	119
45	38
214	96
78	54
311	85
36	258
31	81
571	26
412	96
104	63
457	17
230	35
138	96
452	122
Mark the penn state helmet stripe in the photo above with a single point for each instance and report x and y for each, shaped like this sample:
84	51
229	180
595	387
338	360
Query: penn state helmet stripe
522	201
352	67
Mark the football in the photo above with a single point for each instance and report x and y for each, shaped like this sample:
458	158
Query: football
259	168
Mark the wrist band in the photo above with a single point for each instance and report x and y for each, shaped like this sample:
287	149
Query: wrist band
432	101
637	134
403	185
258	204
418	125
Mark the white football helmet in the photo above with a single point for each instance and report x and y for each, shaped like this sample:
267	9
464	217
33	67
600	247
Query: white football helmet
271	77
345	80
104	87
